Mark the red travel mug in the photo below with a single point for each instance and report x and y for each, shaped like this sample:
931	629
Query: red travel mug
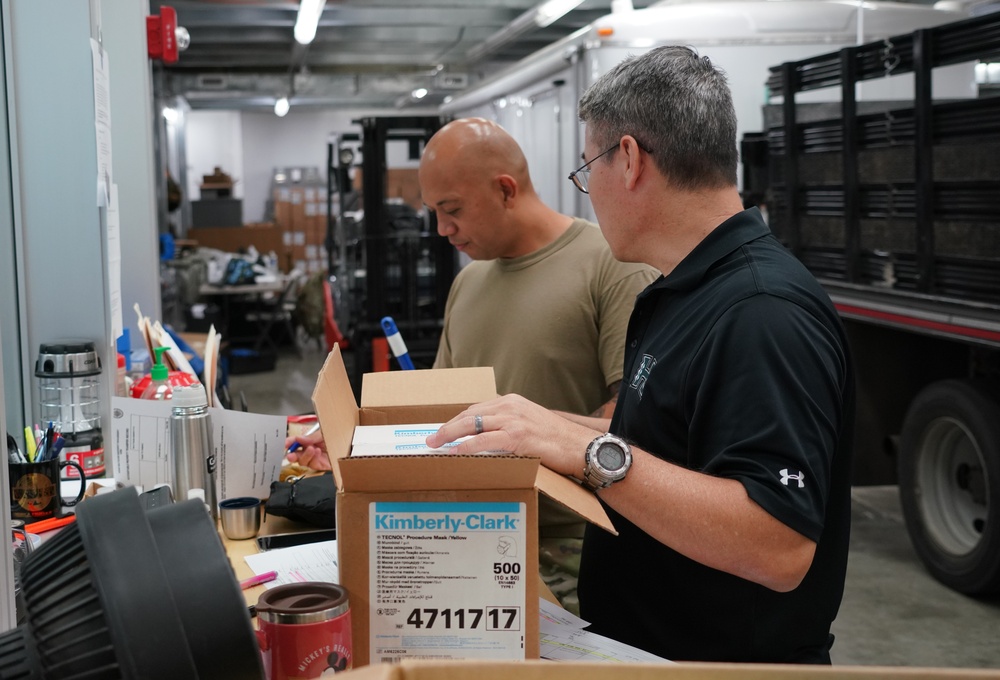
304	630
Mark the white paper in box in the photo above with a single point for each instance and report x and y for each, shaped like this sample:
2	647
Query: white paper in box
394	434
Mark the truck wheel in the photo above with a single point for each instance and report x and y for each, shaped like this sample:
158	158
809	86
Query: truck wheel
949	484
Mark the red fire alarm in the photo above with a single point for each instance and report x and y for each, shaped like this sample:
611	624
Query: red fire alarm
161	35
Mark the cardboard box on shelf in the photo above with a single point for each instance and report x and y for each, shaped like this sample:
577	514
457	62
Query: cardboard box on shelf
439	553
546	670
399	183
283	213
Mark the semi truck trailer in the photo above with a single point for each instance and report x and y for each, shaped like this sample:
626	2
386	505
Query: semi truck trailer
895	207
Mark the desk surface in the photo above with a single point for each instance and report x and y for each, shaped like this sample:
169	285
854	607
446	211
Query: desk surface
237	550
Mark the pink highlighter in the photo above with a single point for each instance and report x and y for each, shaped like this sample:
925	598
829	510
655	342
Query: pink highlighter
258	579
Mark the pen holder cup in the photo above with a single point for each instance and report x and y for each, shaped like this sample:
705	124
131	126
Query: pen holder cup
240	517
34	489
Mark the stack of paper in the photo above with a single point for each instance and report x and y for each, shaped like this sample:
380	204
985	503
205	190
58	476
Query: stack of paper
395	440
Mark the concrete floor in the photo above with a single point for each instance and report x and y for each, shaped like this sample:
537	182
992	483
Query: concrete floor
893	613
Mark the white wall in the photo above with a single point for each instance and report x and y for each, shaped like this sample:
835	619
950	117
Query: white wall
214	139
249	145
297	140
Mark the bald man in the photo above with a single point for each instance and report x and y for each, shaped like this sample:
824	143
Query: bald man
544	302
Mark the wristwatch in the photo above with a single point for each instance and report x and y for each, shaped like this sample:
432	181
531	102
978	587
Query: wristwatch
608	460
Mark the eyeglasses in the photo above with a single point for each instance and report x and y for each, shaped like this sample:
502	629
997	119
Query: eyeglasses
580	176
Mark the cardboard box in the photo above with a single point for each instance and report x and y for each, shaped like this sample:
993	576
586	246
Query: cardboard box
438	553
400	183
546	670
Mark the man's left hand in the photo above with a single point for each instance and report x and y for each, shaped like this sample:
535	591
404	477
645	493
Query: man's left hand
513	424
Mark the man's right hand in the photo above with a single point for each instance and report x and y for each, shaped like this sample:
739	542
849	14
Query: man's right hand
313	453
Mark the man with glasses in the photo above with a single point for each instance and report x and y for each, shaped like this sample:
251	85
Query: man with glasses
726	465
544	302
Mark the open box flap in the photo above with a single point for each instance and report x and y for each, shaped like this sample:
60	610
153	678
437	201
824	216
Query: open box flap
438	472
568	493
390	389
336	408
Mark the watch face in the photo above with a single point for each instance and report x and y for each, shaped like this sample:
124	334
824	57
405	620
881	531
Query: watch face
610	457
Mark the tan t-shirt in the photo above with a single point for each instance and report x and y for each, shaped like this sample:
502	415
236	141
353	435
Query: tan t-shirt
551	324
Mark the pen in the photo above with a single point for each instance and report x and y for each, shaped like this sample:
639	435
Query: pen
258	579
396	343
296	445
49	524
56	448
43	449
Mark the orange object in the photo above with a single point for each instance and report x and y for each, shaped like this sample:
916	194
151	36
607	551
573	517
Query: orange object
49	524
380	355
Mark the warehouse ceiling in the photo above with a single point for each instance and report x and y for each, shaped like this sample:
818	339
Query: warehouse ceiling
366	54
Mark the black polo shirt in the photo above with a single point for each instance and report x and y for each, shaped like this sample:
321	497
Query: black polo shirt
736	365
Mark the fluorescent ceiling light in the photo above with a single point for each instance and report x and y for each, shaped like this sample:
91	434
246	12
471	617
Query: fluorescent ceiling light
419	93
537	17
549	11
281	107
307	20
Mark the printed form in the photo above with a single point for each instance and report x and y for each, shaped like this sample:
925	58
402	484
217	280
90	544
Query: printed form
249	447
311	562
563	638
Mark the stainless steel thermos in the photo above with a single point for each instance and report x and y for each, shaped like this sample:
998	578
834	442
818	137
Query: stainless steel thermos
194	458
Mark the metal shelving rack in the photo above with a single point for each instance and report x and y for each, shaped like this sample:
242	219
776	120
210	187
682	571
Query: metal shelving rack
913	190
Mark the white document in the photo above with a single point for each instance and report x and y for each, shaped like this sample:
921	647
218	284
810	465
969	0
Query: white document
411	449
563	639
310	562
553	616
102	121
394	434
397	440
248	447
249	450
114	249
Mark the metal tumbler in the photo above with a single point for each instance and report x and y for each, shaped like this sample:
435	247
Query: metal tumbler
194	458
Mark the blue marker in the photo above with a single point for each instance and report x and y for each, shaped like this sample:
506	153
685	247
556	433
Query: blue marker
296	445
396	343
52	452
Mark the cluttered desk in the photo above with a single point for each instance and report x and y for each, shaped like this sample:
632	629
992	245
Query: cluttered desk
248	454
248	298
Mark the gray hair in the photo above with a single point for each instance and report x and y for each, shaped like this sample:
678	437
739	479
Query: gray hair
678	107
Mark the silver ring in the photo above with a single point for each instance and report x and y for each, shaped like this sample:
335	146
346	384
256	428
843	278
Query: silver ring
479	424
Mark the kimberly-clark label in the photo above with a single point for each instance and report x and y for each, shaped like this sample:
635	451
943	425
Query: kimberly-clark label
447	581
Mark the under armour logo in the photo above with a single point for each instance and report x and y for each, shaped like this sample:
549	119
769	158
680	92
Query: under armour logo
800	478
639	380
